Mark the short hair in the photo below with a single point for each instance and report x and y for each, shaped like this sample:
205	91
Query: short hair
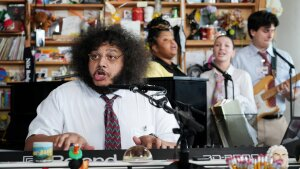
261	18
154	28
136	57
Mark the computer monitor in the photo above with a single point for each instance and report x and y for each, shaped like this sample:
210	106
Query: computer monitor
187	93
25	98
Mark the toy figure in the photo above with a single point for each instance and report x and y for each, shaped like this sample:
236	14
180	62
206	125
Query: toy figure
5	19
43	19
76	162
279	154
194	35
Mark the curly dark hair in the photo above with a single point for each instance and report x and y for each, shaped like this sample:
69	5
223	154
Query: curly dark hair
155	27
261	18
135	55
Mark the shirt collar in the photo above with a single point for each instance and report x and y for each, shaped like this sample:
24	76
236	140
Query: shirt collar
230	70
119	92
255	50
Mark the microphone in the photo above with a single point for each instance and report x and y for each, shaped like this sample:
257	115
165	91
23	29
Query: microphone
136	87
225	75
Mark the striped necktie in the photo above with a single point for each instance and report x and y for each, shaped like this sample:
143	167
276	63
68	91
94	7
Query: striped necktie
218	90
112	128
266	63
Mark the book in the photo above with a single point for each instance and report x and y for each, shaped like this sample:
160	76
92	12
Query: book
233	127
17	15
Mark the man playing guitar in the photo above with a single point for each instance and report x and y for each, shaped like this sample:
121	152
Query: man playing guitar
267	71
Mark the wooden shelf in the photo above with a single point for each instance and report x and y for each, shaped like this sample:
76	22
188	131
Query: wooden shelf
67	6
51	63
12	1
43	63
11	62
210	43
4	109
8	33
223	5
55	43
134	3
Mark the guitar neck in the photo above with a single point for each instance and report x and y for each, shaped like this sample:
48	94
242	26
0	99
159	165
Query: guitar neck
273	91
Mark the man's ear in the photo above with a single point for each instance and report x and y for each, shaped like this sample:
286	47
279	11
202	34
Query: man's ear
252	32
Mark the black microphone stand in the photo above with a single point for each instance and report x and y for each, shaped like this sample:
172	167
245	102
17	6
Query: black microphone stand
187	128
290	74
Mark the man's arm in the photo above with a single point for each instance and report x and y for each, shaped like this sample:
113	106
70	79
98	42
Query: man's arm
60	141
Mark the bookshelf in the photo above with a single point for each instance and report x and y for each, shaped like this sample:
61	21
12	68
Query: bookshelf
184	8
13	37
203	48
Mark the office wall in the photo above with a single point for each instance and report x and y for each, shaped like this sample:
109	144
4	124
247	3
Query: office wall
288	35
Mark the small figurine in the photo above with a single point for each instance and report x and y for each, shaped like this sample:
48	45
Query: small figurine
194	26
76	161
279	154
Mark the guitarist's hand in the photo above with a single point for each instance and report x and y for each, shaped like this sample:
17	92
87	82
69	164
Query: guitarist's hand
284	90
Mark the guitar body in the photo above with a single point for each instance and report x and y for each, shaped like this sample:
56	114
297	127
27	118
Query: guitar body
263	106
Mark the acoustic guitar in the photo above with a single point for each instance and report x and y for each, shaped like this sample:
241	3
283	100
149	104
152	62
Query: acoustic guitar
262	94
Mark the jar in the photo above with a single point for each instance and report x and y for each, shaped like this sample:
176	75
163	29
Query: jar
137	14
210	30
148	13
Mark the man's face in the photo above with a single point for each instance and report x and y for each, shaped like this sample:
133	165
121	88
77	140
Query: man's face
281	154
263	36
105	64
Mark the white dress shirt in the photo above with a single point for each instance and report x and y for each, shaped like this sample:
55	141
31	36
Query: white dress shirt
75	107
243	92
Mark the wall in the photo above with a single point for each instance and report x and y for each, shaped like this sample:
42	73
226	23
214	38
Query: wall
288	35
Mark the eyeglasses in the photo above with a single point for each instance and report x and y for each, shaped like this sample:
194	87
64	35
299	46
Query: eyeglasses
110	56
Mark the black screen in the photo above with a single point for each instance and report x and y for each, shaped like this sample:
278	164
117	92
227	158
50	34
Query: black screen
188	94
25	98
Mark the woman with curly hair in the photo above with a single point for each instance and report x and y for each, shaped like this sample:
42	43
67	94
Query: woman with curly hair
87	112
164	48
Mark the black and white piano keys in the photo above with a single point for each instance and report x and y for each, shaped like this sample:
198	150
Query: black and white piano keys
108	159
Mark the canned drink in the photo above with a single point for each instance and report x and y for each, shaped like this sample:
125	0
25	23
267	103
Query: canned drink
138	14
174	12
42	152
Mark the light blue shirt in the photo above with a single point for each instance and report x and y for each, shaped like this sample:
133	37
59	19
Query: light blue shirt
249	60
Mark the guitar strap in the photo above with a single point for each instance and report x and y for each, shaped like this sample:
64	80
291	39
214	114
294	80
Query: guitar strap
274	63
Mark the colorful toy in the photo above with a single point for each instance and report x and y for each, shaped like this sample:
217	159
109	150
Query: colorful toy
76	161
5	19
43	19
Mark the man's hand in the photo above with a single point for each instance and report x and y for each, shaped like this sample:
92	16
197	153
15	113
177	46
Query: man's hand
284	90
150	142
63	141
